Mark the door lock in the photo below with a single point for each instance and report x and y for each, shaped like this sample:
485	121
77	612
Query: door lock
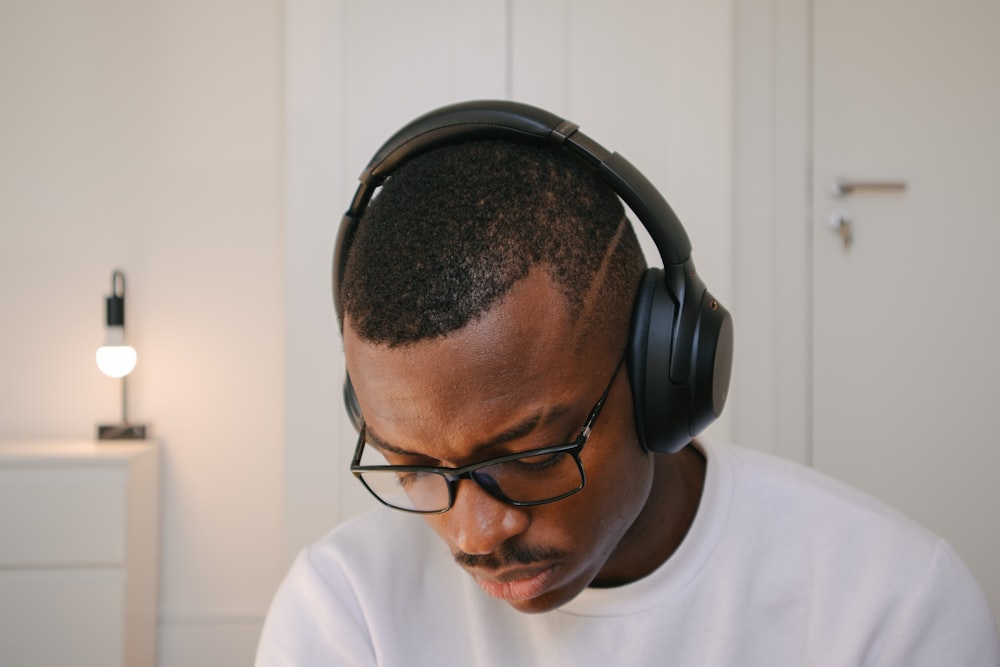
840	223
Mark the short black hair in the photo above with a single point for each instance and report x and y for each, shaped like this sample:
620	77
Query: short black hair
451	231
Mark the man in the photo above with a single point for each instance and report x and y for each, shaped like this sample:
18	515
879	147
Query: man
486	300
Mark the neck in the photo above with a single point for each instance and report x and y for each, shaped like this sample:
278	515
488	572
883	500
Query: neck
678	480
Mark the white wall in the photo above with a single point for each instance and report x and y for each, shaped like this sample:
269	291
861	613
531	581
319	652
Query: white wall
148	136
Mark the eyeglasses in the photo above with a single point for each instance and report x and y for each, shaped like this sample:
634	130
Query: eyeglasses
524	479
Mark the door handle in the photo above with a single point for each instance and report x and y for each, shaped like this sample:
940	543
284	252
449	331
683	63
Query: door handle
843	187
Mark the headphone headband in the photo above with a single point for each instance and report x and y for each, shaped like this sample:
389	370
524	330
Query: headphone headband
516	122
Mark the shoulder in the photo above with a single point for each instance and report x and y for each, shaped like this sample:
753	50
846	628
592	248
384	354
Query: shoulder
341	589
796	525
789	491
793	529
366	550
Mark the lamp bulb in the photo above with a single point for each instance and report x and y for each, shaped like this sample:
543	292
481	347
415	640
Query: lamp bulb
115	358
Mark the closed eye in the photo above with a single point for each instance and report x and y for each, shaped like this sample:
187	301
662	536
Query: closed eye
405	479
537	463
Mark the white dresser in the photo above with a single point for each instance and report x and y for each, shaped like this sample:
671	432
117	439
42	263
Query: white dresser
78	553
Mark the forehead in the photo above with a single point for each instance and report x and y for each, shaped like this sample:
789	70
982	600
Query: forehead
520	358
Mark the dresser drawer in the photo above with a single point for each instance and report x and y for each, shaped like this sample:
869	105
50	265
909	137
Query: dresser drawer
62	617
62	516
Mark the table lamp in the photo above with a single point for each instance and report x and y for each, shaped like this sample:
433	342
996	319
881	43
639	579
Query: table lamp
116	359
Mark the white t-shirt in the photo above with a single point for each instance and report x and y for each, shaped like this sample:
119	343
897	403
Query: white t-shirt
782	566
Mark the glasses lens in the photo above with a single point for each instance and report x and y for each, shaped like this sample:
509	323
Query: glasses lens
532	479
413	491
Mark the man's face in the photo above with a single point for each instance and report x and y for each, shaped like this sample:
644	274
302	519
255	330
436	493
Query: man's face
519	378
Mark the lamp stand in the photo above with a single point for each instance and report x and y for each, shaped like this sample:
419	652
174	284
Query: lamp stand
123	431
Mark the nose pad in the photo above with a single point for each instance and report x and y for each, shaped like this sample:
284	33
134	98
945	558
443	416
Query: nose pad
478	523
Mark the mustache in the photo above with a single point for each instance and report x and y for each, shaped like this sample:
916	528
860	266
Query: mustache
509	553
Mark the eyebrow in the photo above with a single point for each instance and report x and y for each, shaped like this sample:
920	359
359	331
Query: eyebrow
516	432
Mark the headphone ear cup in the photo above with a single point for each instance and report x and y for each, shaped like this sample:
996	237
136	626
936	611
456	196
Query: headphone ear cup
680	359
660	405
351	403
712	362
637	348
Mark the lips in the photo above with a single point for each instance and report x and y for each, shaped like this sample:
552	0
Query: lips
516	584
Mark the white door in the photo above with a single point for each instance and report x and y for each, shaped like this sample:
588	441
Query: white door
906	322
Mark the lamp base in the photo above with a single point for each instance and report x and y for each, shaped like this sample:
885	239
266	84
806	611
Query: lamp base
121	432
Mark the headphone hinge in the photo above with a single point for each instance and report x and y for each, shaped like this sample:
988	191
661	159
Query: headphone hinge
561	132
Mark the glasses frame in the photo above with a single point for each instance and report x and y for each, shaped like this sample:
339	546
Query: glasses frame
453	476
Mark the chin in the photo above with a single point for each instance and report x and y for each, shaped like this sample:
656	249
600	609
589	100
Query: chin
546	602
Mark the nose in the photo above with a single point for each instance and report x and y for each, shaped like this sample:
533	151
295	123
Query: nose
478	523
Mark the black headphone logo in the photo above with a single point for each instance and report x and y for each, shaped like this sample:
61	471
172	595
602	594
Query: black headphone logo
681	347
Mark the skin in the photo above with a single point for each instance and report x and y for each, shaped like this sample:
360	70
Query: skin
519	378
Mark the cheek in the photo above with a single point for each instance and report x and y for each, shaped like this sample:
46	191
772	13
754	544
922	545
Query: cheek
619	479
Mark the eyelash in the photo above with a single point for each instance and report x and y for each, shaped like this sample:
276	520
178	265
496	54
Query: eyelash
548	462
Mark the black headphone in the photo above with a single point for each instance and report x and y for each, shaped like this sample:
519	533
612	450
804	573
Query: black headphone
681	346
